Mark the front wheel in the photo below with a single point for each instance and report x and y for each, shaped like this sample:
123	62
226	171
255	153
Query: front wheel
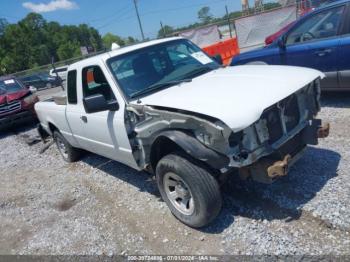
190	191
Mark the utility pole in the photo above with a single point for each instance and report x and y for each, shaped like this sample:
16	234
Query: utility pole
228	20
138	18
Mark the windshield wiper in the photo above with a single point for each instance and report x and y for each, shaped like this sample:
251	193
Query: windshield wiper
159	86
198	71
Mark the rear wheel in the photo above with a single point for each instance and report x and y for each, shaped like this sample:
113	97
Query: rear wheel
190	191
69	153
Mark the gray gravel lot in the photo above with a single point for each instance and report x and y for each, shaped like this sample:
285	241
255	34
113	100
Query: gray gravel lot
98	206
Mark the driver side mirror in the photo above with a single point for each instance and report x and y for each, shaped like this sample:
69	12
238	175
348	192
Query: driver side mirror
281	43
98	103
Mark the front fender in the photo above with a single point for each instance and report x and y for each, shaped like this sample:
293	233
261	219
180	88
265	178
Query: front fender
192	147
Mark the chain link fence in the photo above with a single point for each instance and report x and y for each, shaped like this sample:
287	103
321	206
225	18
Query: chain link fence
46	68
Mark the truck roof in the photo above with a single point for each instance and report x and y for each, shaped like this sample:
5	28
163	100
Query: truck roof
120	51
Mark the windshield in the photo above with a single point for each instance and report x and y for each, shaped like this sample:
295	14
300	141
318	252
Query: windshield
156	67
9	86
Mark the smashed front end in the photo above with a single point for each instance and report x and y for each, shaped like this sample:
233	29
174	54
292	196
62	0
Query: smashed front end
263	151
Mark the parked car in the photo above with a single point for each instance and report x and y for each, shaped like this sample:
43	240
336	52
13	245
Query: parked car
319	40
306	7
271	38
41	81
16	102
166	107
60	71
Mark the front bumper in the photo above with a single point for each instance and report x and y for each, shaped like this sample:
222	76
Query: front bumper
16	119
267	169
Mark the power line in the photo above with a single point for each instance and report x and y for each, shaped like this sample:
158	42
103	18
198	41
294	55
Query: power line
149	13
116	19
113	15
182	7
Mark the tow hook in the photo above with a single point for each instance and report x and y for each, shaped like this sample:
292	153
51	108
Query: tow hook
323	131
279	168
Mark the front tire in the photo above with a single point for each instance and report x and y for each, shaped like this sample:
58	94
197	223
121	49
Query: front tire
69	154
190	191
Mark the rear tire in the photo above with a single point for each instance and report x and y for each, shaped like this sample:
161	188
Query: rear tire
69	154
190	191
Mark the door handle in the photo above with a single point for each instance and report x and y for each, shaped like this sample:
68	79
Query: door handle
84	119
323	52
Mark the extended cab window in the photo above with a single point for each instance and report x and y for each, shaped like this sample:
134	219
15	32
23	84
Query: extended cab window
72	87
95	82
322	25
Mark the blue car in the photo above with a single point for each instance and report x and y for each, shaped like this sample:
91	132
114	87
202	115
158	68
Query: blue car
319	40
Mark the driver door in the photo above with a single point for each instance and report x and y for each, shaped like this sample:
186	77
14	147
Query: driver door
104	132
314	42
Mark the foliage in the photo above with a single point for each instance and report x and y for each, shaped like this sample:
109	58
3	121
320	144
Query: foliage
166	30
33	42
110	38
3	25
204	14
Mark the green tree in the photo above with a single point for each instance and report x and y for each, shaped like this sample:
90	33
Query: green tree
109	38
33	41
165	31
130	40
68	50
204	14
3	25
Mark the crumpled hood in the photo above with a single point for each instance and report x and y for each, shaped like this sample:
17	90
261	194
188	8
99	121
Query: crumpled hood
9	97
235	95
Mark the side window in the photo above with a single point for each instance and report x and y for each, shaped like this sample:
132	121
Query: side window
72	87
94	82
320	26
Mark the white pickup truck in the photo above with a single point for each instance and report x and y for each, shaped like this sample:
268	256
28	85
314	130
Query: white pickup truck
166	107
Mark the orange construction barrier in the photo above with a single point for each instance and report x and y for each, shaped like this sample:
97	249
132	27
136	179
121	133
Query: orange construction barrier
226	49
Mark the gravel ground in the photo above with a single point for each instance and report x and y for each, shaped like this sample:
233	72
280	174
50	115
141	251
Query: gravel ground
98	206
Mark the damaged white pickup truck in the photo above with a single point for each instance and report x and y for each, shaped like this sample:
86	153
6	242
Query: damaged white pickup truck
166	107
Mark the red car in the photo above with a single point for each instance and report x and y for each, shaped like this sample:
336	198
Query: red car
16	102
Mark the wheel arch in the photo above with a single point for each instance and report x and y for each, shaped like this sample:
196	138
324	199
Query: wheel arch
171	141
52	127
